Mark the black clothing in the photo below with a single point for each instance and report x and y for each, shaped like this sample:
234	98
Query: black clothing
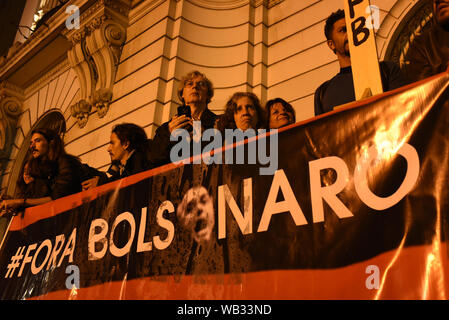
137	162
87	172
54	179
38	188
57	179
160	153
340	89
428	55
67	178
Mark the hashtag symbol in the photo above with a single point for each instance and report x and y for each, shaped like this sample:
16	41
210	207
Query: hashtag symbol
15	262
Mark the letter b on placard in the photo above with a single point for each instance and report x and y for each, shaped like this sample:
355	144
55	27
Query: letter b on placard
358	28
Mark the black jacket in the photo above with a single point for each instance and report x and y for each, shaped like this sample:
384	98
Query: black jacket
38	188
137	162
160	152
429	54
64	177
340	89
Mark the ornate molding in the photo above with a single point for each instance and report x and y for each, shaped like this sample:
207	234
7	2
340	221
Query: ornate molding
105	45
11	102
95	54
102	99
232	4
81	111
19	52
267	3
412	27
46	78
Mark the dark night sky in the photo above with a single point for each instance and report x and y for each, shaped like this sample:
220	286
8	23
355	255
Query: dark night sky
10	14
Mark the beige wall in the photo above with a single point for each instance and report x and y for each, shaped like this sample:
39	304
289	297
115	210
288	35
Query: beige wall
275	52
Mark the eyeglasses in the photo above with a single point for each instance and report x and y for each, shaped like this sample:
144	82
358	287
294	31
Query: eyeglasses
191	83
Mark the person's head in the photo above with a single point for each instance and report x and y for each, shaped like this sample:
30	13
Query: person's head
243	111
195	88
196	213
46	144
280	113
441	12
125	138
336	35
27	178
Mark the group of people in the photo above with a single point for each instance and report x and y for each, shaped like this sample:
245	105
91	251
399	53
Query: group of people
50	173
427	55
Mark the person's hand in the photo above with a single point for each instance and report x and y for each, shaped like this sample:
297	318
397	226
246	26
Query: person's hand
9	204
179	122
90	183
216	123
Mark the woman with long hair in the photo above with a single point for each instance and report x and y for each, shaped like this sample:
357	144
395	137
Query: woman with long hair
243	111
48	162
